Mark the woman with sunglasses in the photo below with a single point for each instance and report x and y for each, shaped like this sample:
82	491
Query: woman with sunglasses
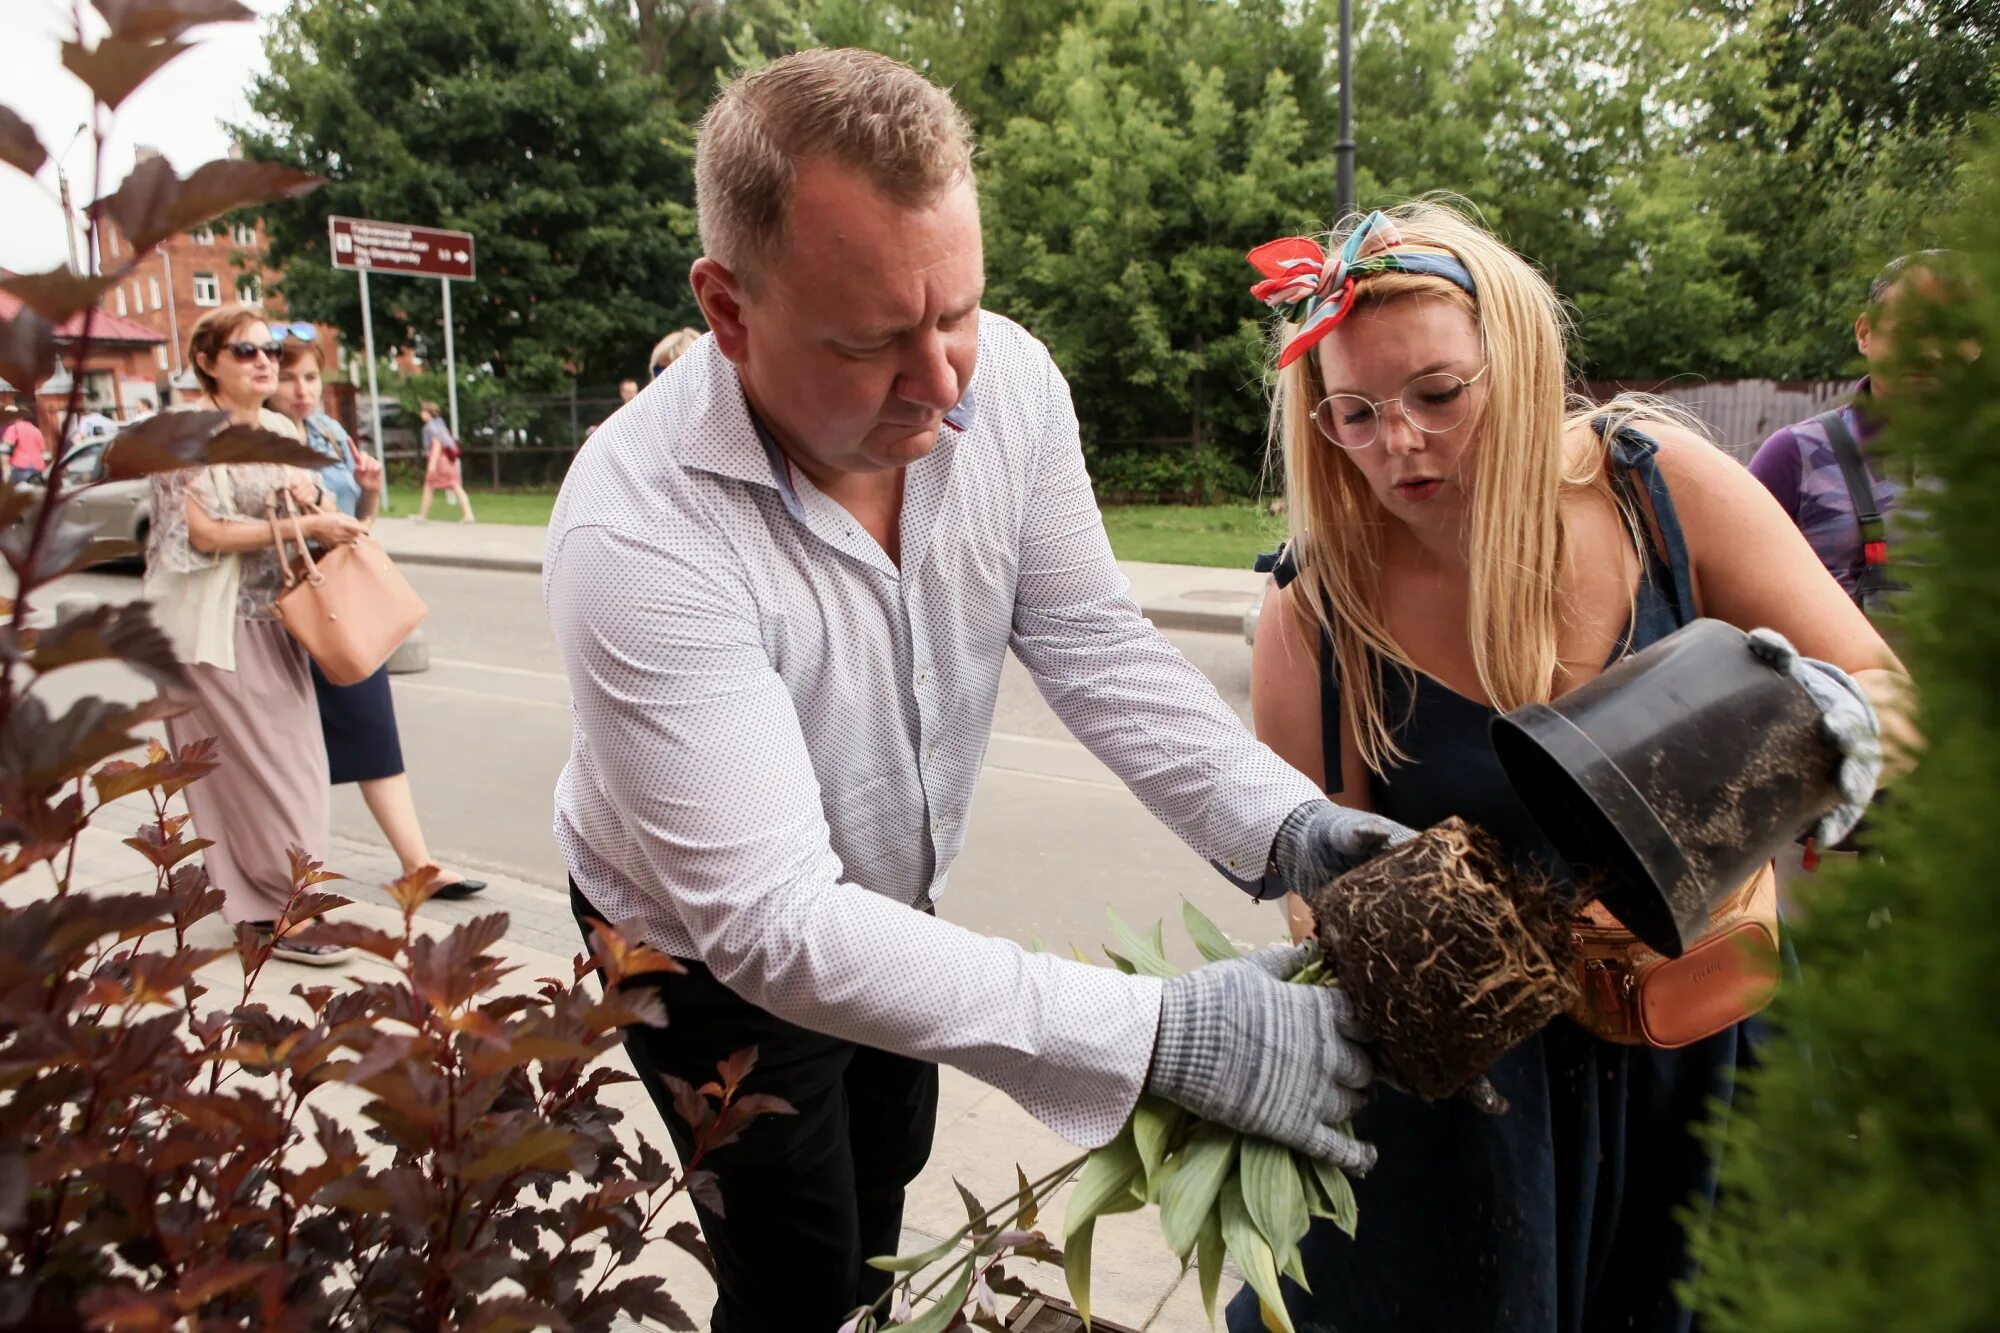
213	574
358	722
1462	542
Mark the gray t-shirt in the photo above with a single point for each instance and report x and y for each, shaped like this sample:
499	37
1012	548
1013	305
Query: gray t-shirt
436	432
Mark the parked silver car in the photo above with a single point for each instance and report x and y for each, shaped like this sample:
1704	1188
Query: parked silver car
118	510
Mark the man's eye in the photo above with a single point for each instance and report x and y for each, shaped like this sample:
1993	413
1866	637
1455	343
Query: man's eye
865	349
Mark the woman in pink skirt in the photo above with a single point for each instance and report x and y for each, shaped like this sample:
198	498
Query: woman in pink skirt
441	465
213	575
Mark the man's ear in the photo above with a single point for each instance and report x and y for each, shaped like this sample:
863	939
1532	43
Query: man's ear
720	296
1863	335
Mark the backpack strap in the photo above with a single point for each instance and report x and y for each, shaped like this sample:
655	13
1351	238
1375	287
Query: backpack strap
1873	578
1283	567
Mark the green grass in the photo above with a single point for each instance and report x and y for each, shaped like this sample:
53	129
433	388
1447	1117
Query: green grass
523	508
1227	535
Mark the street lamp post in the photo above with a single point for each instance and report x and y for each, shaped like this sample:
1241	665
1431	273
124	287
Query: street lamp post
1343	147
62	189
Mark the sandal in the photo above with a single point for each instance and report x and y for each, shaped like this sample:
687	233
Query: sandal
304	952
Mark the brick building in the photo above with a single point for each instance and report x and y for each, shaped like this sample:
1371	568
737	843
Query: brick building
120	374
191	273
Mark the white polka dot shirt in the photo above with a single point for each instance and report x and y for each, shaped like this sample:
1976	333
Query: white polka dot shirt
778	730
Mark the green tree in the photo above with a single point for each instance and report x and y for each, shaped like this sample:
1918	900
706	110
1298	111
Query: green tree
1832	141
1159	142
1861	1170
524	122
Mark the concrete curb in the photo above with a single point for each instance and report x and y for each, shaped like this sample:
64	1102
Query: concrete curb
1199	620
1184	618
500	563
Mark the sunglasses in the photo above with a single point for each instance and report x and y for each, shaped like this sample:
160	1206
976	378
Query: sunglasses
247	352
299	332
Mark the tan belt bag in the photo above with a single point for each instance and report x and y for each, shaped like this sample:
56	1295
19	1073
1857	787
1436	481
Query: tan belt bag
1632	995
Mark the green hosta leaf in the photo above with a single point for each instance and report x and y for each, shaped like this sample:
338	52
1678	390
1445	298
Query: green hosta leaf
910	1263
1253	1254
1076	1269
1273	1194
1154	1121
1208	938
1209	1252
1189	1191
1293	1266
1138	950
1337	1191
1106	1183
938	1317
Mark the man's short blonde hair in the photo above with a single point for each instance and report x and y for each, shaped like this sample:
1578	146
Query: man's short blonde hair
856	109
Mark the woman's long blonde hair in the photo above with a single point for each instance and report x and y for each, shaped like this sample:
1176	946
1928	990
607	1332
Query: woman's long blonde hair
1514	541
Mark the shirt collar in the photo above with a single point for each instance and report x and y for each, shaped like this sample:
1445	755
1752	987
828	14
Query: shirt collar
1867	411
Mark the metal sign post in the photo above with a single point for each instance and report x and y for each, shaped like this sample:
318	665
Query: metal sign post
450	361
374	398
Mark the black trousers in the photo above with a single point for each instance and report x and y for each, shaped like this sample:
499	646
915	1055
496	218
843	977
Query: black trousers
807	1198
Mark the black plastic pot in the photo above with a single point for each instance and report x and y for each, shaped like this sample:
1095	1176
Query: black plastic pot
1669	779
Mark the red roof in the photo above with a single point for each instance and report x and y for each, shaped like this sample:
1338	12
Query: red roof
107	328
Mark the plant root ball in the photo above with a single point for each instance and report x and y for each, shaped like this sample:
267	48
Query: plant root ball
1448	953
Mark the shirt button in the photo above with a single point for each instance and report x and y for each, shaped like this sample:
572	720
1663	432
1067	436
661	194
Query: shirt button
923	678
937	826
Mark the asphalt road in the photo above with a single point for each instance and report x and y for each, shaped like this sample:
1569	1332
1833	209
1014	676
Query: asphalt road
1055	839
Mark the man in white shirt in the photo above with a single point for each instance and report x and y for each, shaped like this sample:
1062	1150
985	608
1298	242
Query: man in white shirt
783	583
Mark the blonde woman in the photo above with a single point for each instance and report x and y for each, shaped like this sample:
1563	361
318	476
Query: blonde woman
1461	545
670	349
213	574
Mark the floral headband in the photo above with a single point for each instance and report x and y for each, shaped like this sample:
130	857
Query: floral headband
1316	291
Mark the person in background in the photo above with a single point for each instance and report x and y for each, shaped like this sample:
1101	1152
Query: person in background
627	391
1460	546
358	722
27	449
1822	470
212	574
441	472
670	348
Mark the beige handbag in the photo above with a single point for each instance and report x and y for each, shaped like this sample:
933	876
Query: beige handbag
350	609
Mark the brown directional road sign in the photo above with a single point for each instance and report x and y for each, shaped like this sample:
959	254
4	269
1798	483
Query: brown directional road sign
398	247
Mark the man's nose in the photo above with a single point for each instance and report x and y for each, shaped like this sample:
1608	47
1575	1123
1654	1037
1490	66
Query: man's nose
928	378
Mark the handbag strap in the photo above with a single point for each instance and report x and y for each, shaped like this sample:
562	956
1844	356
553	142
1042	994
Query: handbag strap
299	534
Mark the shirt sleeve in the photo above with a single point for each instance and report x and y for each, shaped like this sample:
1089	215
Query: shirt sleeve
1122	688
1776	464
695	742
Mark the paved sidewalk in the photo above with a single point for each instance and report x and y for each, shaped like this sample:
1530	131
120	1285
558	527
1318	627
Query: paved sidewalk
981	1133
1195	597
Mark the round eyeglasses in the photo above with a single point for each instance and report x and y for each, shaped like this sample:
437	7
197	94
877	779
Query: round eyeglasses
1433	404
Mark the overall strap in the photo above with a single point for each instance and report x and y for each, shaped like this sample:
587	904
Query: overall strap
1283	567
1867	511
1638	457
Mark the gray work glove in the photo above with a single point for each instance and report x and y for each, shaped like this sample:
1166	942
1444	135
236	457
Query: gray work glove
1240	1046
1849	721
1320	841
